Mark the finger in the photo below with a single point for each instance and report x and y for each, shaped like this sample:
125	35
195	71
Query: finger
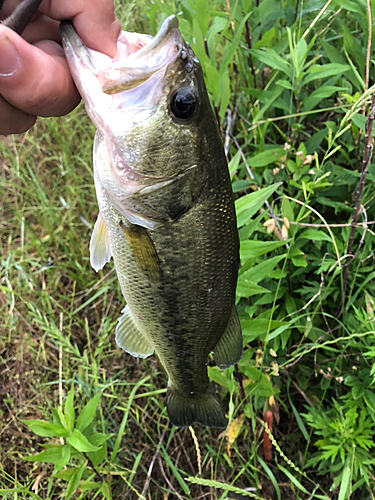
13	120
36	79
94	21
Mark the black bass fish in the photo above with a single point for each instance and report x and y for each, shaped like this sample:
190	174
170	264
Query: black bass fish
166	212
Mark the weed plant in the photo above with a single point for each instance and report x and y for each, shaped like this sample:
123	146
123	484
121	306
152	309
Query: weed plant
290	82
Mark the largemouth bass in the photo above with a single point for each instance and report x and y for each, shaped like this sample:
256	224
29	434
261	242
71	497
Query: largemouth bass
166	212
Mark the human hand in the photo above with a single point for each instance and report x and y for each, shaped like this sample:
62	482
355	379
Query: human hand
34	75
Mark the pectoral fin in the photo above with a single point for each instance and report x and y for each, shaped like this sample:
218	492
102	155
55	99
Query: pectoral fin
130	338
100	251
143	249
229	348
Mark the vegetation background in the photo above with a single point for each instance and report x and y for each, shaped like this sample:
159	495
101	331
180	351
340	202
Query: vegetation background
290	81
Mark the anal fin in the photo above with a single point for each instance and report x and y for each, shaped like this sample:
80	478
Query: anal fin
130	338
229	349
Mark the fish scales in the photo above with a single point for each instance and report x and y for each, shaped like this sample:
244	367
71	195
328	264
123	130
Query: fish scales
166	216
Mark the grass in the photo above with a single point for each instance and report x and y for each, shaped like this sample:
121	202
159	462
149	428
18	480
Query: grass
308	330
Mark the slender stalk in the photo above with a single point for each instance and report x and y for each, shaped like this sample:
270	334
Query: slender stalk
367	155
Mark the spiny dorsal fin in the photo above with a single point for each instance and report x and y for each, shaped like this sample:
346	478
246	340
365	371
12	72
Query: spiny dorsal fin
130	338
100	251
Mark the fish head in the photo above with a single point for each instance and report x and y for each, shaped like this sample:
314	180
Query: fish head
147	104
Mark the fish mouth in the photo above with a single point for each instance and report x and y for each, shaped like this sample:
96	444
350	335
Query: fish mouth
125	90
139	57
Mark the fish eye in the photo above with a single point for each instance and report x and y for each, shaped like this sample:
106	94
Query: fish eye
183	103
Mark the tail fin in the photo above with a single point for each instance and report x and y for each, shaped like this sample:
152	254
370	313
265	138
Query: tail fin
204	409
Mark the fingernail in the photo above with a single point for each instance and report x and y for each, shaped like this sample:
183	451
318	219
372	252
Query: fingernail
10	61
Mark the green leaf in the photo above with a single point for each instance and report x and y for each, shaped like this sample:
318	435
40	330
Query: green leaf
298	257
258	327
266	157
293	479
370	399
54	454
349	5
74	481
345	481
360	121
97	457
316	235
261	271
324	71
232	47
89	485
88	413
271	476
319	94
69	409
272	59
45	429
99	438
175	472
253	248
248	205
246	288
260	385
80	442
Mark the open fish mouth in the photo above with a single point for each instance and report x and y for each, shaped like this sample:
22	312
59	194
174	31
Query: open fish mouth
123	91
138	58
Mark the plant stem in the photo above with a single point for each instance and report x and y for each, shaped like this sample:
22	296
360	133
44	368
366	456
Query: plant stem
367	155
92	466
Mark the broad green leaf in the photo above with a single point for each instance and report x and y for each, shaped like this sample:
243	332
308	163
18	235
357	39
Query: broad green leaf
262	270
105	491
298	257
254	248
51	455
88	413
319	71
349	5
45	429
360	121
234	162
74	481
246	288
354	48
319	94
80	442
258	327
89	485
97	457
99	438
266	157
316	235
272	59
260	385
220	377
248	205
370	399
